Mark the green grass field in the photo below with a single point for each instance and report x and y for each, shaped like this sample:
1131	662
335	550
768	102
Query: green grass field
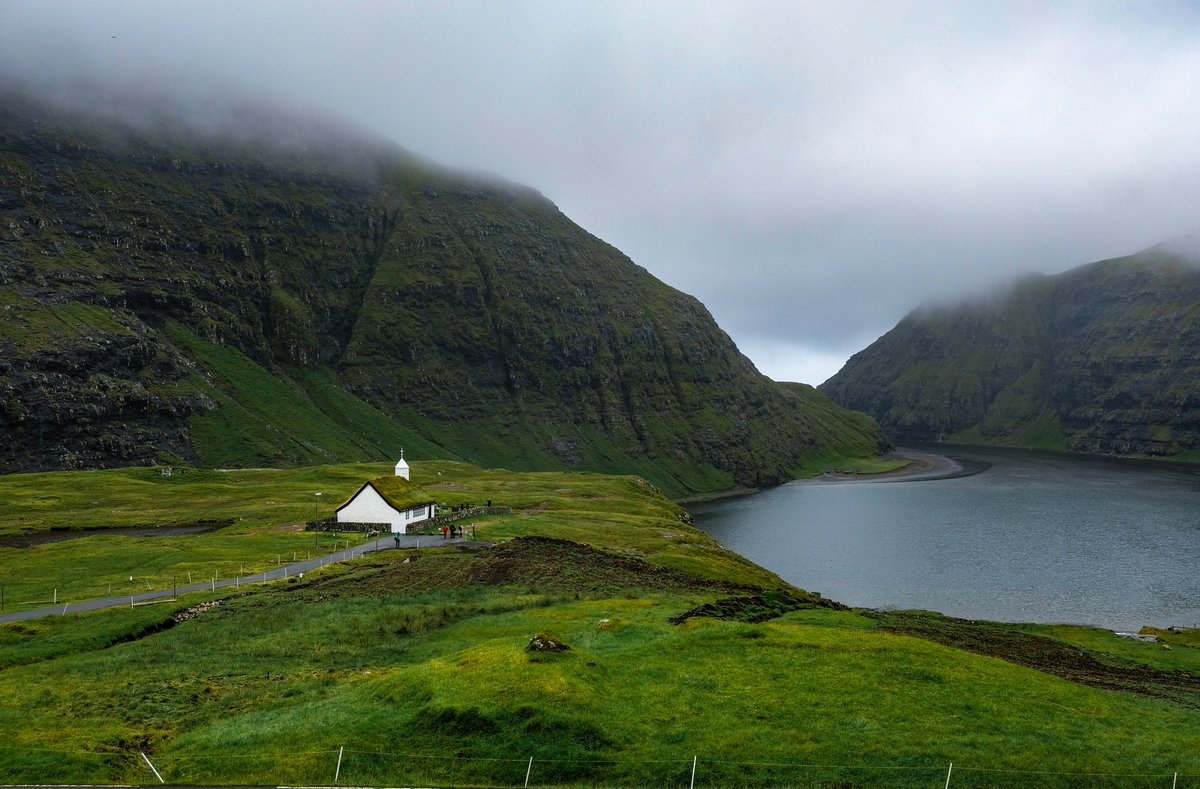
413	666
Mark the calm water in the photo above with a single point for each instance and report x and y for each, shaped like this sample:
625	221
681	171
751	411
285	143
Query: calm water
1034	538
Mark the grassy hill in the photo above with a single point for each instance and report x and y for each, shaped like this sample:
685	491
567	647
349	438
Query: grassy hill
413	667
1099	359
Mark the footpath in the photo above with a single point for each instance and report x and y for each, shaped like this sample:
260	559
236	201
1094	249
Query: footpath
283	572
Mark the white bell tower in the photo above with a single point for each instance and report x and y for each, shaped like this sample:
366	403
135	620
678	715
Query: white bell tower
401	466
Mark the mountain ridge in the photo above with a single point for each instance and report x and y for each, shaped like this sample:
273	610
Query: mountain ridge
1101	359
155	287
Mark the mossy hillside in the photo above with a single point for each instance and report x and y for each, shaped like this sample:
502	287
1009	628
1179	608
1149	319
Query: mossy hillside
265	418
419	668
1099	359
396	305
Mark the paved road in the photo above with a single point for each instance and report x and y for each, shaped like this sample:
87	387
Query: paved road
279	573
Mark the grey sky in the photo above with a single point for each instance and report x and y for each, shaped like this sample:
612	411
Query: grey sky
810	171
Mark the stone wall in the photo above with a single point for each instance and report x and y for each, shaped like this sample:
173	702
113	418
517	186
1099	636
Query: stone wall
331	524
470	512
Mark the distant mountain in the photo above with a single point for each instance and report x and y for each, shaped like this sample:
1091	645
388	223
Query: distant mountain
1103	359
181	295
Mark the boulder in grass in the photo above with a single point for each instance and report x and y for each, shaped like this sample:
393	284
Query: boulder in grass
544	643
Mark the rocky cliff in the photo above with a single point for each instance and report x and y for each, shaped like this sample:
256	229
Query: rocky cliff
173	296
1103	359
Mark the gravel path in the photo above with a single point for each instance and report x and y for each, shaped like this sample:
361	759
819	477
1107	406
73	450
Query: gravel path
278	574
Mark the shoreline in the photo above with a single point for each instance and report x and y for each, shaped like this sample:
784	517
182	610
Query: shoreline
922	467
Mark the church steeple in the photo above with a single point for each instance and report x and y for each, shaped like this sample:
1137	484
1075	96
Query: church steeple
401	466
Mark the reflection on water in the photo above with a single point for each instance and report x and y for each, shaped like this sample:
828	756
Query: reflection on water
1034	538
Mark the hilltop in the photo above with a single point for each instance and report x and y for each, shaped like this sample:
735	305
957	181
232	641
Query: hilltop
305	295
1100	359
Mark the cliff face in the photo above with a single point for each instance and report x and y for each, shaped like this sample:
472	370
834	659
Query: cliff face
180	298
1102	359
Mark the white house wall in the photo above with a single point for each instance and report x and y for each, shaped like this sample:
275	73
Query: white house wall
412	516
369	507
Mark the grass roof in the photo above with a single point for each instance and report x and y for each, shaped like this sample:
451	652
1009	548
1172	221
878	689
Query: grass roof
397	491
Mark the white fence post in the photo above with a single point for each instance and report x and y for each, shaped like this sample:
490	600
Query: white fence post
338	771
693	783
528	770
948	772
156	775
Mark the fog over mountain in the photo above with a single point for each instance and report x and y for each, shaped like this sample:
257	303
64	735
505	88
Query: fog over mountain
810	171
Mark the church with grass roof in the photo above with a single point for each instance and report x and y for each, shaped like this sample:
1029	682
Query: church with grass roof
392	502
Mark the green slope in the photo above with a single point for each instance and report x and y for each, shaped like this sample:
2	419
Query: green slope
417	674
175	297
1101	359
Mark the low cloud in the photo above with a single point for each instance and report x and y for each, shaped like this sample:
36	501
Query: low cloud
811	171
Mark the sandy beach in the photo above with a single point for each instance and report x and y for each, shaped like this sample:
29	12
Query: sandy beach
923	466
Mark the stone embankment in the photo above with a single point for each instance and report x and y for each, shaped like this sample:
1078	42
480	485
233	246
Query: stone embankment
330	524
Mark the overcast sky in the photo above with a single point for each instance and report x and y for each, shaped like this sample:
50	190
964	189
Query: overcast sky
811	171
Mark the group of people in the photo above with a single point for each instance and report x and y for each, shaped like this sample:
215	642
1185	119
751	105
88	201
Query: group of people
452	531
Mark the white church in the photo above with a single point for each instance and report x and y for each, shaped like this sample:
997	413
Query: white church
392	501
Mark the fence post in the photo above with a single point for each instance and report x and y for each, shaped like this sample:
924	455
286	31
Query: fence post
528	770
693	783
338	771
156	775
948	772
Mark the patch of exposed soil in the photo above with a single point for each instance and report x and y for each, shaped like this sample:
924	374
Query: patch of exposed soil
536	509
534	562
758	607
1047	655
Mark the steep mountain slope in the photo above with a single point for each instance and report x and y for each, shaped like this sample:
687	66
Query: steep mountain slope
1104	358
167	295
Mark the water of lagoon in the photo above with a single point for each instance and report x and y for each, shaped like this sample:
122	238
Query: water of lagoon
1036	537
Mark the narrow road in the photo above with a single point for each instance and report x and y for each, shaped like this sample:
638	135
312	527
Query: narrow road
280	573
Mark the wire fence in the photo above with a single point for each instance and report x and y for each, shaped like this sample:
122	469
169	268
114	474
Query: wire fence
18	594
356	767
